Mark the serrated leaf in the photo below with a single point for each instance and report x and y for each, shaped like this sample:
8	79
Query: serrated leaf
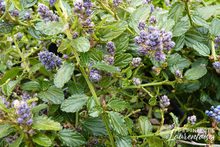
74	103
71	138
27	3
140	14
175	61
81	44
63	75
6	27
123	142
44	123
112	31
176	11
53	95
208	11
51	27
38	108
179	43
118	123
144	125
121	43
95	126
202	49
122	60
195	73
155	142
10	74
31	86
118	105
215	27
105	67
181	28
42	139
5	130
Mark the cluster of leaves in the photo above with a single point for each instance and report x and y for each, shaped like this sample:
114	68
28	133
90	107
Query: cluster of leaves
54	49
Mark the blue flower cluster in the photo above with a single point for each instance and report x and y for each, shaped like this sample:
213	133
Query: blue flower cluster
27	16
178	73
136	81
52	2
49	60
147	1
5	102
14	13
216	65
116	3
136	62
84	10
154	42
10	139
109	59
2	6
164	101
214	112
191	119
46	14
23	112
110	46
217	42
95	75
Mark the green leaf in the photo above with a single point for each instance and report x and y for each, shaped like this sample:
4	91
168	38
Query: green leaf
118	105
179	43
105	67
140	14
27	3
123	142
53	95
202	49
31	86
176	11
199	21
5	130
81	44
155	142
118	123
42	139
195	73
71	138
51	27
18	141
144	125
6	28
10	74
188	86
112	31
44	123
121	43
9	86
74	103
63	75
38	108
215	27
175	61
208	11
95	126
175	119
122	60
181	28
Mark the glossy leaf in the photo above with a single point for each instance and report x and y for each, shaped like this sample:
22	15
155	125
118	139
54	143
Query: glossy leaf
74	103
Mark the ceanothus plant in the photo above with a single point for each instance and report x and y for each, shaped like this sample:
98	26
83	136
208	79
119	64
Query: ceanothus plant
114	73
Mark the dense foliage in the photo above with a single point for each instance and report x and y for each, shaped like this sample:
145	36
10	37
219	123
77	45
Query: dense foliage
109	73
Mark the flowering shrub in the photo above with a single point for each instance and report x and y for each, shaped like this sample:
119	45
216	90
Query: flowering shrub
109	73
